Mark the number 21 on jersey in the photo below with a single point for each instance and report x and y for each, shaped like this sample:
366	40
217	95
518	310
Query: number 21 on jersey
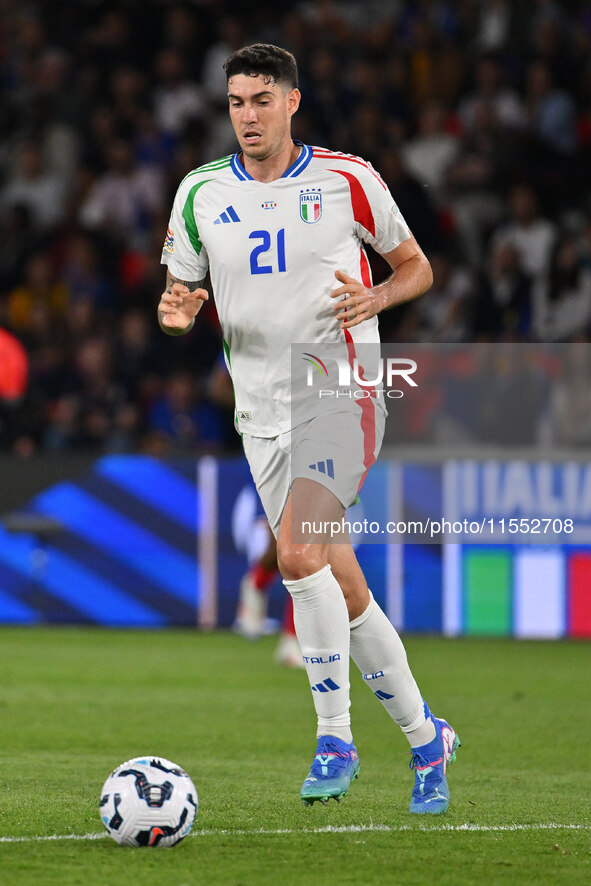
269	253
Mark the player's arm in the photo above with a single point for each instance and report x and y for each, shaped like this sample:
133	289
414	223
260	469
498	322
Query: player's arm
179	304
411	276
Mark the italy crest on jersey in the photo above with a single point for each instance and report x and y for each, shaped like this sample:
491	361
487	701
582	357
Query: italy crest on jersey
310	205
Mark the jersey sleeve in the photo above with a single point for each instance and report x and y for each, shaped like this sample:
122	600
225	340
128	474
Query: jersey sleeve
183	251
378	219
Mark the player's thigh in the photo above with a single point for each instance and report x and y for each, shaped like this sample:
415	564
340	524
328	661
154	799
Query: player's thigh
312	513
269	465
335	451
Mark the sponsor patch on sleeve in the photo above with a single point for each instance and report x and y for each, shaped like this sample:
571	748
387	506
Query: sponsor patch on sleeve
169	241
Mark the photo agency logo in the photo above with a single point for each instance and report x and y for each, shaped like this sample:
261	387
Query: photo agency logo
348	378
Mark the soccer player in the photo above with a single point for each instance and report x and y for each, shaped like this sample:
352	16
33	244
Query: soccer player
281	226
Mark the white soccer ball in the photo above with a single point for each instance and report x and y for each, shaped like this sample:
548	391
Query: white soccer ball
148	801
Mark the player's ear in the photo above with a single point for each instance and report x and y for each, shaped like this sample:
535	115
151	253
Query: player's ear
293	101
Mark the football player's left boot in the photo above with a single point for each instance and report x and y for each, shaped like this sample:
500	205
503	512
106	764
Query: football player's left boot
335	766
430	761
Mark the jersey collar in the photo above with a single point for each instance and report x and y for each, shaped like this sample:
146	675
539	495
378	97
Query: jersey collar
294	170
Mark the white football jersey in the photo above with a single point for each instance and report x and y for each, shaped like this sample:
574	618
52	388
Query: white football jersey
272	249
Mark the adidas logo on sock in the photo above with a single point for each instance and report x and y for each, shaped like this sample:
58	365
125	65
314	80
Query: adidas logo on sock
227	216
327	685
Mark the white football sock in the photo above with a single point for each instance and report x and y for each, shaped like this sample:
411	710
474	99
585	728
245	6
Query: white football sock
322	628
378	652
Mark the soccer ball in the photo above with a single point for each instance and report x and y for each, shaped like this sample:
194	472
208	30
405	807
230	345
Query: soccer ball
148	801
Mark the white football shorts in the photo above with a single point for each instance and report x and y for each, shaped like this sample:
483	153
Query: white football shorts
335	449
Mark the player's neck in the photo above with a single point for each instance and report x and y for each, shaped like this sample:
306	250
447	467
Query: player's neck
273	167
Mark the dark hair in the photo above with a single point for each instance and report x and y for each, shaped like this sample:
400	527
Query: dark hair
275	64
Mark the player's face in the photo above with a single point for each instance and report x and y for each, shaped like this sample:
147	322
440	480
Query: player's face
261	114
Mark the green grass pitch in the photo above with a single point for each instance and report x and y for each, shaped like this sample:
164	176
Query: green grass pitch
76	703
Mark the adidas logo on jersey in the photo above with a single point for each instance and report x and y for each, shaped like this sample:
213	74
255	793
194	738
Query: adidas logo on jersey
324	467
227	216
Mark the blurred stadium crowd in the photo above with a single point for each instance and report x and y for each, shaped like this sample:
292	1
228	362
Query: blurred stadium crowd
476	112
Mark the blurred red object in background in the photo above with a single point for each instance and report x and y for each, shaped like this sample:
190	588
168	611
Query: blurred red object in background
14	367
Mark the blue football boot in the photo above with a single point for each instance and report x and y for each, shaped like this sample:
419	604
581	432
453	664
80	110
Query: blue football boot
430	761
335	766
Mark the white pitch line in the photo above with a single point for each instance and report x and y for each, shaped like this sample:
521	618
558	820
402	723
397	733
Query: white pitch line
331	829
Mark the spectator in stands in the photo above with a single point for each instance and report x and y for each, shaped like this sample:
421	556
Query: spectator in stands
490	90
532	235
82	274
551	112
563	297
475	178
178	100
504	306
41	192
58	110
123	201
493	26
431	152
127	88
40	290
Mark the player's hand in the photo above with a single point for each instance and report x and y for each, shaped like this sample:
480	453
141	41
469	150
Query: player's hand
178	307
359	304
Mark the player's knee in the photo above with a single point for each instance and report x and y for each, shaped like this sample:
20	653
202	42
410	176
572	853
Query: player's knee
299	560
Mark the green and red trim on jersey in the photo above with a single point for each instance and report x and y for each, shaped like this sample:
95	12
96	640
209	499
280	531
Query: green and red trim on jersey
326	154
